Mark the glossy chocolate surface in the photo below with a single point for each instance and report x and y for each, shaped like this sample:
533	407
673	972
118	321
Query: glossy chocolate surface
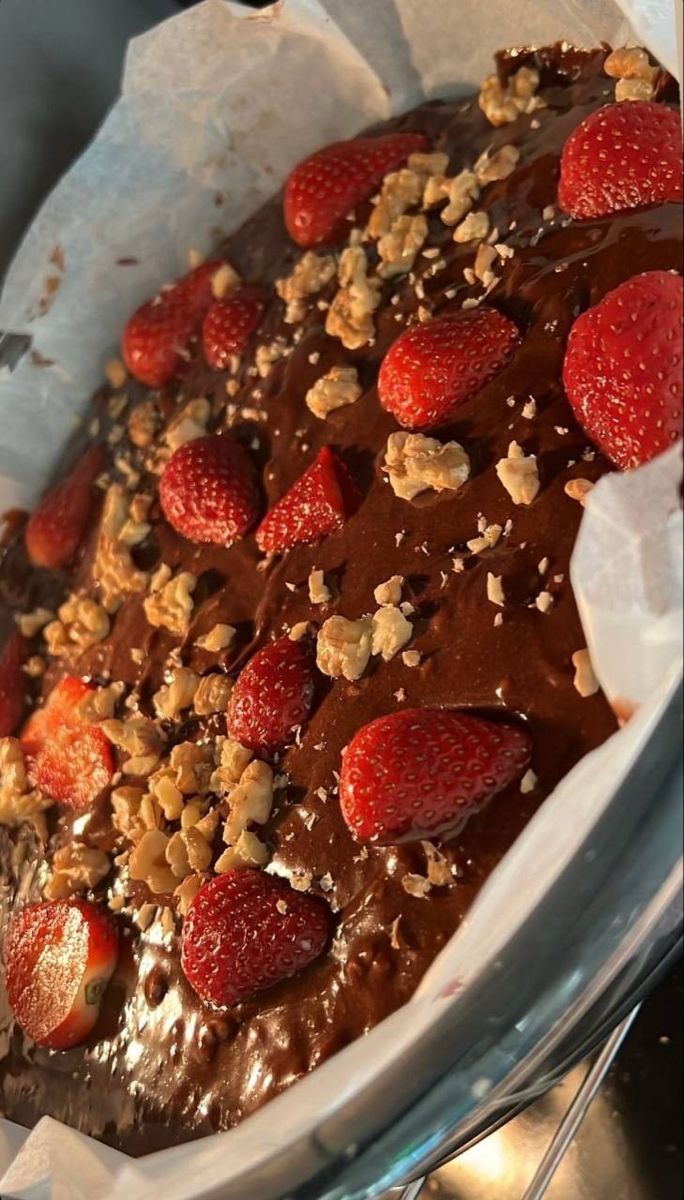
161	1068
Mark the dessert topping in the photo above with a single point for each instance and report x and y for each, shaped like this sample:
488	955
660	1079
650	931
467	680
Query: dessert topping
350	317
141	741
415	463
207	490
623	368
219	638
389	592
631	67
579	490
19	801
246	931
309	276
169	603
317	504
337	389
519	474
81	623
391	632
420	772
190	423
114	569
585	679
502	104
343	647
399	248
76	868
319	592
272	697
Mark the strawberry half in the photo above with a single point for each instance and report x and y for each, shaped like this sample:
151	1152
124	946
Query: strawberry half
272	697
12	684
67	759
317	504
157	337
246	931
229	324
59	958
55	529
432	369
626	155
422	772
623	368
208	492
323	190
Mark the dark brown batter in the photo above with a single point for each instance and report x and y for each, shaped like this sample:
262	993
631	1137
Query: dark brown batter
161	1068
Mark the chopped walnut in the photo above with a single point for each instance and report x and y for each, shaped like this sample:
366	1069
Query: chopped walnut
35	666
114	569
248	851
501	105
148	863
224	280
634	89
631	67
499	165
389	592
193	766
76	868
391	632
344	647
401	190
81	623
187	890
319	592
267	356
433	162
415	464
399	248
484	260
585	680
18	801
233	761
126	815
519	474
544	602
219	638
417	886
143	422
169	797
169	604
438	869
579	489
337	389
176	695
495	592
250	802
116	373
140	739
486	540
310	276
350	317
299	631
462	191
472	228
31	623
411	659
189	424
528	782
198	848
213	694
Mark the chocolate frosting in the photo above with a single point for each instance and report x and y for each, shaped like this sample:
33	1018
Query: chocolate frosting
161	1067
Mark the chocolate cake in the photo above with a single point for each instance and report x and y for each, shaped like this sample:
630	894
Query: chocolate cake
423	565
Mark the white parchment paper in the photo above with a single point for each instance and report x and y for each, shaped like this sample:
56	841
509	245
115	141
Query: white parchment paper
221	102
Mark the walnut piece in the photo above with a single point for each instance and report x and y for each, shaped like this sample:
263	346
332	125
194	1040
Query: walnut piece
114	569
219	638
76	868
224	280
579	489
472	228
18	801
213	694
169	604
248	851
310	276
187	890
148	863
176	695
81	623
189	424
350	316
462	191
319	592
343	647
401	190
250	802
501	105
415	463
192	765
391	631
31	623
495	592
519	474
389	592
399	248
233	761
486	540
631	67
141	741
143	422
499	165
585	680
337	389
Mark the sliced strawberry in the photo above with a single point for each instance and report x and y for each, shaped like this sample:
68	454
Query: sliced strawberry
229	324
432	369
208	491
54	530
246	931
626	155
12	684
422	772
157	337
67	759
59	958
623	368
317	504
272	697
324	188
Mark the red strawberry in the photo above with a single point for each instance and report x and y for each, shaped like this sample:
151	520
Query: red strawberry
68	759
156	338
12	684
229	324
246	931
318	503
208	492
59	958
423	772
54	530
625	155
324	188
272	697
432	369
623	368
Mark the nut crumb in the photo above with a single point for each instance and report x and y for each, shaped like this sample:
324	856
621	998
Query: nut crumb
391	631
585	680
579	490
219	638
519	474
389	592
495	592
415	464
528	782
544	602
343	647
339	388
319	592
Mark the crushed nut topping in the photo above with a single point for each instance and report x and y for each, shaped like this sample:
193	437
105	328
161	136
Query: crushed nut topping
140	739
18	801
491	167
192	765
116	373
495	592
350	317
81	623
417	886
585	680
309	276
472	228
176	695
343	647
401	190
169	604
501	105
389	592
219	638
299	631
187	890
486	540
213	694
462	191
631	67
528	782
189	424
143	423
114	569
579	489
31	623
438	869
337	389
267	356
248	851
319	592
233	761
390	633
544	602
75	868
484	260
148	863
224	280
411	658
250	802
415	463
519	474
399	248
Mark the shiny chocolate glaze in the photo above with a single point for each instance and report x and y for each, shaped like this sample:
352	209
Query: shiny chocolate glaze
161	1067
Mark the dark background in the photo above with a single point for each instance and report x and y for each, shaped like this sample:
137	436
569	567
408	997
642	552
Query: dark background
60	64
